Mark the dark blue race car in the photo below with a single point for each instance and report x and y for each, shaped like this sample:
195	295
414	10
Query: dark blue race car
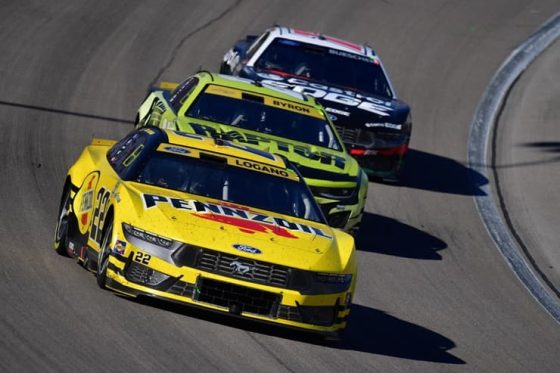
347	79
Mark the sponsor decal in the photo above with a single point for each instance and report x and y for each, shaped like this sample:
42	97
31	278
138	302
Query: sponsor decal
87	199
299	149
262	168
336	111
247	249
87	202
384	125
290	106
240	268
352	56
120	247
246	220
176	149
267	100
224	91
330	94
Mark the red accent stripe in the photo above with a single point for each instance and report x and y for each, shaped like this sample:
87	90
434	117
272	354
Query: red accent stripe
344	43
357	151
399	150
248	226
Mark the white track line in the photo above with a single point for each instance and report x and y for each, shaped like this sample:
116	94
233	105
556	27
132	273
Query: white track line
479	142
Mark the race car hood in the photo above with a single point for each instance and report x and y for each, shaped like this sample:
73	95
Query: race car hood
312	161
348	108
225	227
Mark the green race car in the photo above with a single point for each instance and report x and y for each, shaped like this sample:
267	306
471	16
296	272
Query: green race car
277	121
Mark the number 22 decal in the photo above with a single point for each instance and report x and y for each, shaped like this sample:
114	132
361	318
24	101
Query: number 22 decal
142	258
99	214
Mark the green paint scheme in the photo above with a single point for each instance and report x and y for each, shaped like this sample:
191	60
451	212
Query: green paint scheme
335	178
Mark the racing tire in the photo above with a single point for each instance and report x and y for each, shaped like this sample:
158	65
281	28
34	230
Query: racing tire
104	254
61	233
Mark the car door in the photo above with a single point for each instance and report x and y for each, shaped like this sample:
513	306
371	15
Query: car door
111	171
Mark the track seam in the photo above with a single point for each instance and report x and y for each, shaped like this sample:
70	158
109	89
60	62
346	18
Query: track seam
188	36
65	112
270	352
483	129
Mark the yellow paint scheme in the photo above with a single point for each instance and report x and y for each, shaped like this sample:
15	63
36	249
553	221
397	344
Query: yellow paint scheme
234	161
175	215
311	111
83	201
168	86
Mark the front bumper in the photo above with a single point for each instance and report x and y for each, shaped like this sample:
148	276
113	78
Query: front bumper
346	217
342	212
323	314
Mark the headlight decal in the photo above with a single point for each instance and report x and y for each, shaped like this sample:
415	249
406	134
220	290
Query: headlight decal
146	236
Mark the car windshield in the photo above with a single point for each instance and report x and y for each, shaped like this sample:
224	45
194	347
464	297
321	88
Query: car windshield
214	178
325	65
250	112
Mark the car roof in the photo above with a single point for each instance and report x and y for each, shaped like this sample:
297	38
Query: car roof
223	147
255	87
321	40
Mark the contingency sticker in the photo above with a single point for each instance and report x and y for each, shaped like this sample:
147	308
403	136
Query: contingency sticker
84	199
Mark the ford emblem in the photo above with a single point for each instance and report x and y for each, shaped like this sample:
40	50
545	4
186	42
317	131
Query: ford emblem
247	249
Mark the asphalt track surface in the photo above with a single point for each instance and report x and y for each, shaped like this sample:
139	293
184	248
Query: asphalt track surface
434	293
527	152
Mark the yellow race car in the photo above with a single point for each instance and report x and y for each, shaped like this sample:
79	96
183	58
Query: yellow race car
207	222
